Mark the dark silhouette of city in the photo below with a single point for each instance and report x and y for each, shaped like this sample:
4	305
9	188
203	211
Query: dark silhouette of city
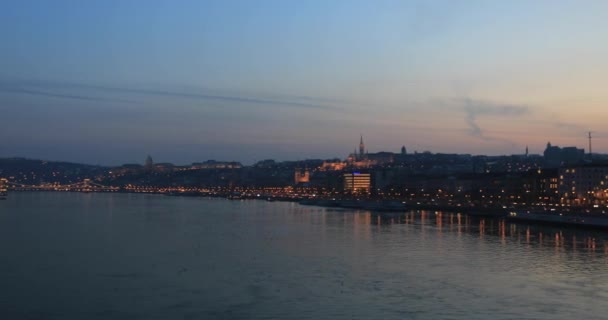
423	179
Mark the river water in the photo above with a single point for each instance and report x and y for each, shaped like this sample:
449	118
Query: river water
132	256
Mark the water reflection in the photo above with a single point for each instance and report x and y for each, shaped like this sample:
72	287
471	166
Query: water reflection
218	259
566	238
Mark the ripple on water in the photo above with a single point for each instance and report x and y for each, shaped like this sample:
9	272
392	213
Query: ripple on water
148	257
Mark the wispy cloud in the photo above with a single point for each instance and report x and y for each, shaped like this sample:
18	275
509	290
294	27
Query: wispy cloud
565	127
76	91
568	126
226	98
34	92
477	108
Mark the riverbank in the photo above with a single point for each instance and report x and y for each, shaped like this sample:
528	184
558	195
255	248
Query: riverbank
551	215
598	220
579	217
395	206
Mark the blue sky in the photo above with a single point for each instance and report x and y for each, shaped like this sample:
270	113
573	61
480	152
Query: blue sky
108	82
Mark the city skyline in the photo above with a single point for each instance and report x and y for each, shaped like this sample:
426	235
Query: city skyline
357	157
108	83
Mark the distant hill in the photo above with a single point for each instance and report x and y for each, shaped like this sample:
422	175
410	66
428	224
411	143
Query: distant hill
31	171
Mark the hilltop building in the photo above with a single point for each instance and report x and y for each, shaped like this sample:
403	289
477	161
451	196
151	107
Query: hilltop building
361	149
358	156
149	164
332	166
359	159
382	157
364	159
212	164
556	156
164	167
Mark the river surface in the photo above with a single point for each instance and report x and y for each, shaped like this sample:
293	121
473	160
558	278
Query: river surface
132	256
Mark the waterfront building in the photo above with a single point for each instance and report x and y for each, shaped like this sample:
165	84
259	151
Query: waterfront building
587	184
541	186
3	188
357	182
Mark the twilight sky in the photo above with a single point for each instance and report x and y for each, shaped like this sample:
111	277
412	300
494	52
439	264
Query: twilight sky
108	82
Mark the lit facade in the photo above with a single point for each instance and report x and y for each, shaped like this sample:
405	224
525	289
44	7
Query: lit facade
584	184
3	187
212	164
357	182
332	166
301	177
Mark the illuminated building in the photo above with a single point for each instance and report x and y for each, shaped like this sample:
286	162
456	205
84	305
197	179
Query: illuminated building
3	188
364	159
584	184
301	176
359	156
357	182
212	164
541	185
332	166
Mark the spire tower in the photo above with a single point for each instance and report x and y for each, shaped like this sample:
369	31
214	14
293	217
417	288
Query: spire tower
361	148
590	150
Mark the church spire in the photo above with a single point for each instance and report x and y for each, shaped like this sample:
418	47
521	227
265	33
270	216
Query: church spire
361	147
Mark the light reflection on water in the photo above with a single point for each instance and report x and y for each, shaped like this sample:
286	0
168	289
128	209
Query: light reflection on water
531	234
122	256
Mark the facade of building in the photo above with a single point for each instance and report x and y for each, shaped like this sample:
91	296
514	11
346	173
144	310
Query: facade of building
332	166
584	184
3	188
541	186
357	182
301	176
